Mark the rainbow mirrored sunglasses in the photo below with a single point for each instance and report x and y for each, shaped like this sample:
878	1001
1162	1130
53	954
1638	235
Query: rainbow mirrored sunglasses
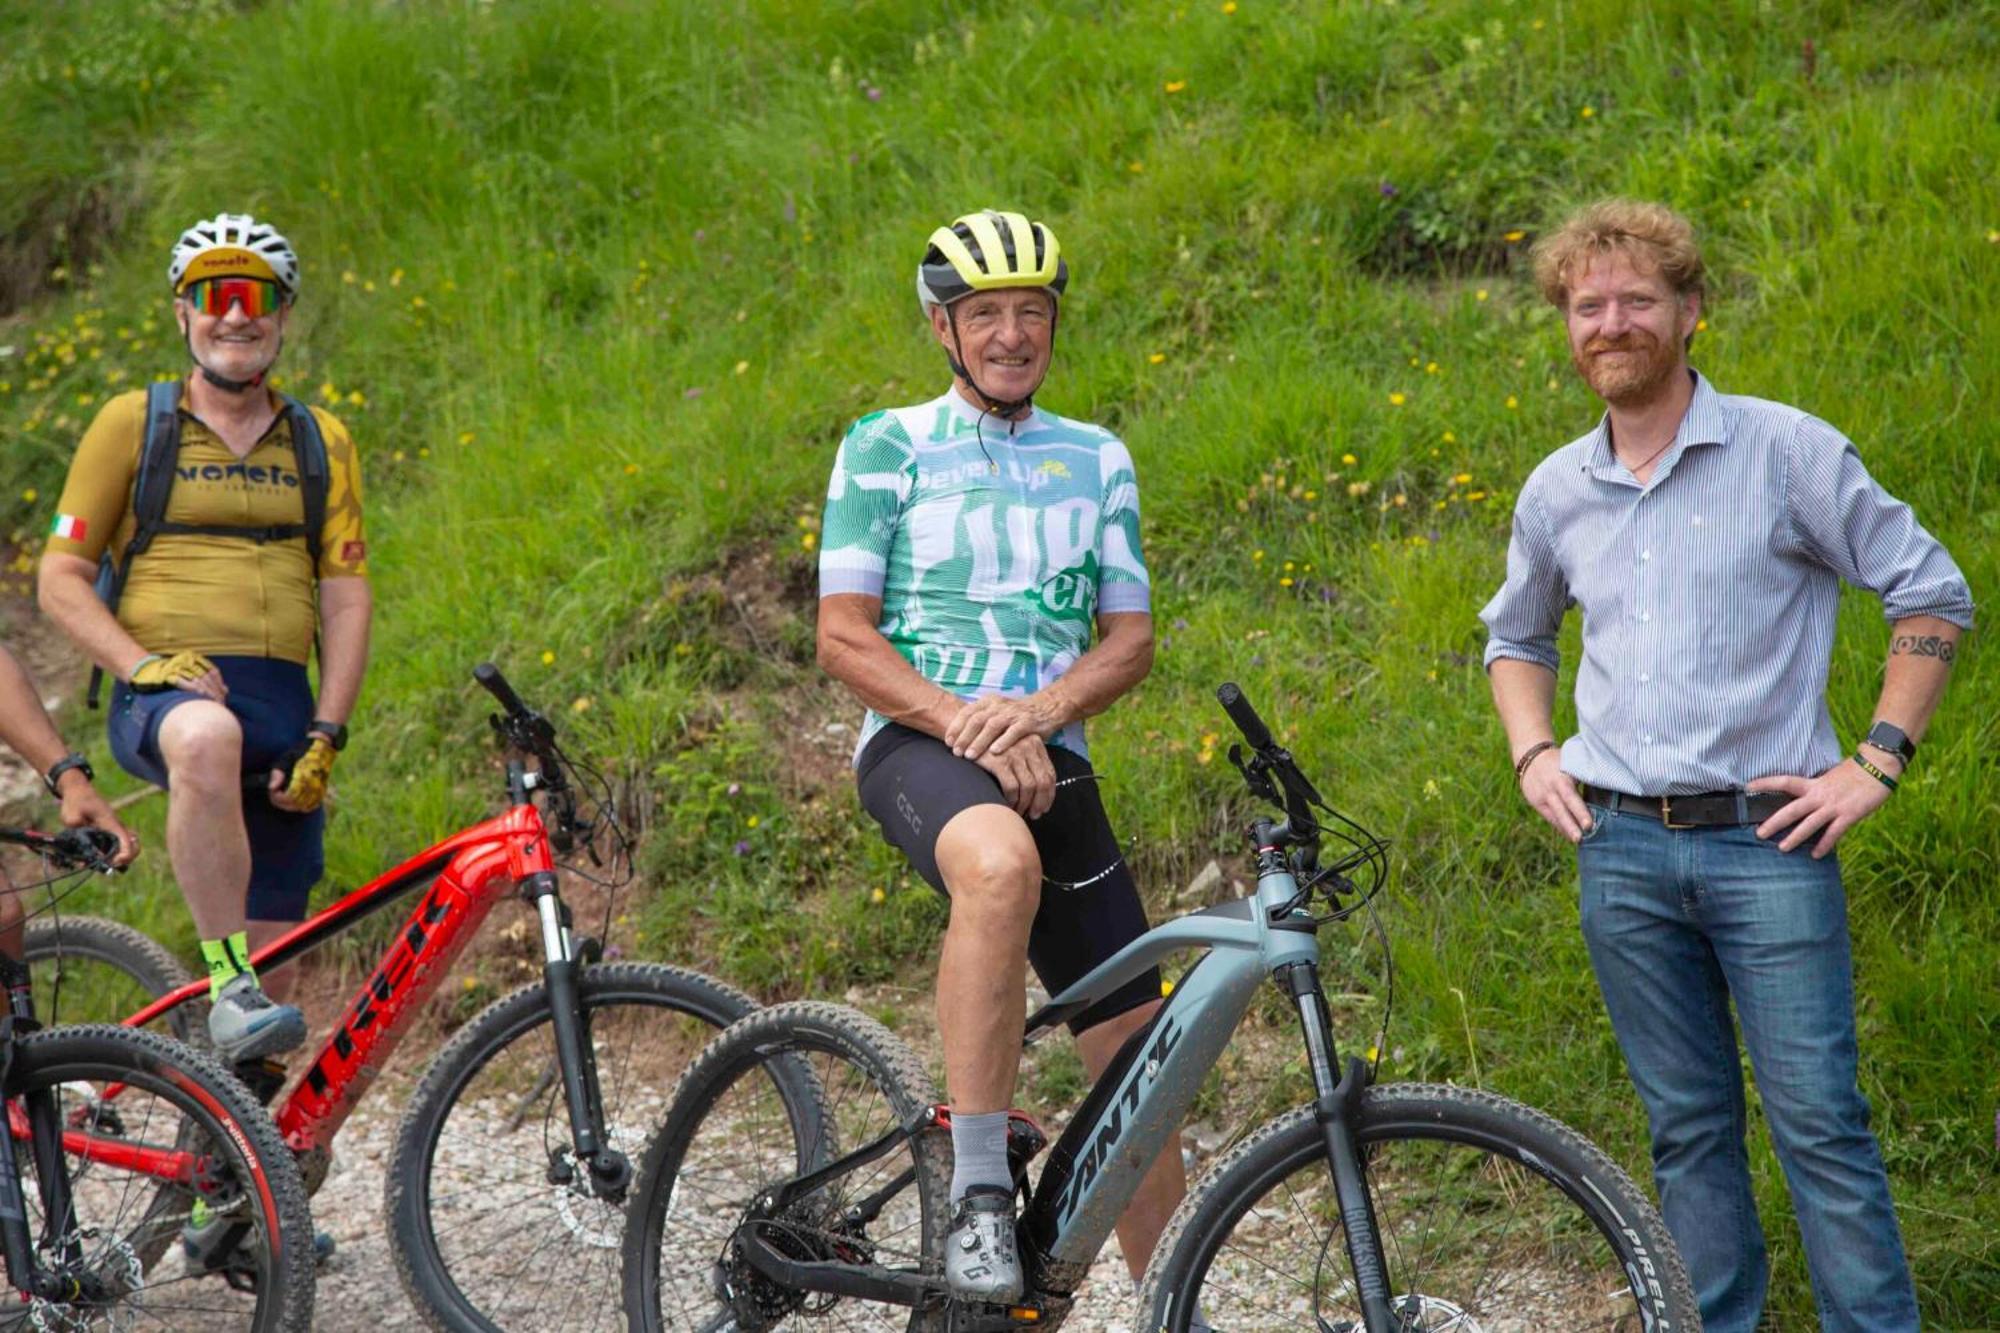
214	296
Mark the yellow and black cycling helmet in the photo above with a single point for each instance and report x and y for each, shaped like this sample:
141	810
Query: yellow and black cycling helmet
987	251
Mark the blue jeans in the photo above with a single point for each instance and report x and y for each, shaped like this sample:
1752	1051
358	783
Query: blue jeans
1680	923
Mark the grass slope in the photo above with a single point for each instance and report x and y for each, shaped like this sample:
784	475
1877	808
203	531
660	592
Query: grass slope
598	287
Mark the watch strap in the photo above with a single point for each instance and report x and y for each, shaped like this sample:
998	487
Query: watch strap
63	765
335	732
1892	739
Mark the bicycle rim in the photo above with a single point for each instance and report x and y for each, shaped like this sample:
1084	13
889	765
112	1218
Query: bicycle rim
741	1126
128	1228
1487	1227
491	1234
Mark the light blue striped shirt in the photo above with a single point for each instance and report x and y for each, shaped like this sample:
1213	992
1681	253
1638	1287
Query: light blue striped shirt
1709	594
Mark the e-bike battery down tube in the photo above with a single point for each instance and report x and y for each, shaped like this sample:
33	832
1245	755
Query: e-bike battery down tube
1335	1107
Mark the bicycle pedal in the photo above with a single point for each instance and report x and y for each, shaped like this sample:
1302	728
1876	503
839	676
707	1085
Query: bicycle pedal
980	1318
263	1076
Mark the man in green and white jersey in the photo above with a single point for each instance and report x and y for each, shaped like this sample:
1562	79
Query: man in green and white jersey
971	546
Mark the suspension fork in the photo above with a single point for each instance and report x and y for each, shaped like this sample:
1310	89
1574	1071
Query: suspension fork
610	1170
1337	1108
45	1146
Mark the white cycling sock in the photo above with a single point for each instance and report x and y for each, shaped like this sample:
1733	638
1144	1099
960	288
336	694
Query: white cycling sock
979	1152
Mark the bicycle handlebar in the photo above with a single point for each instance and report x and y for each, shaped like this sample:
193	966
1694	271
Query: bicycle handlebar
80	848
496	684
1244	716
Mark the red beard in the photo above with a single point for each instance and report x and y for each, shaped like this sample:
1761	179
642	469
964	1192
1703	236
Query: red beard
1637	377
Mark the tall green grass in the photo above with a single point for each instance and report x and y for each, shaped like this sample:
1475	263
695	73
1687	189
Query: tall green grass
598	287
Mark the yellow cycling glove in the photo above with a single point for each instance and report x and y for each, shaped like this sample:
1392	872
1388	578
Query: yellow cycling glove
306	767
156	672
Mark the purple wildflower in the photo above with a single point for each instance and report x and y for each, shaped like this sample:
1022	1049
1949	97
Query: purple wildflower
1387	189
742	847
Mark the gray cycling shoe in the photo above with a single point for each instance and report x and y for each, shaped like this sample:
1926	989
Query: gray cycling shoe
246	1024
982	1260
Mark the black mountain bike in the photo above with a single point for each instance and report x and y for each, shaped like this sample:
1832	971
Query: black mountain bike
116	1136
1404	1208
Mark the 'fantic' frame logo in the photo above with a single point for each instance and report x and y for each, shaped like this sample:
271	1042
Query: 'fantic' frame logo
1111	1124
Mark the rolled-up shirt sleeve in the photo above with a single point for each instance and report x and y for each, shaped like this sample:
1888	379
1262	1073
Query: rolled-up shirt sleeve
1842	516
1524	617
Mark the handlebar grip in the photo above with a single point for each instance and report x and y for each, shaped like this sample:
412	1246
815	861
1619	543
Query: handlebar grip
496	684
1244	716
87	846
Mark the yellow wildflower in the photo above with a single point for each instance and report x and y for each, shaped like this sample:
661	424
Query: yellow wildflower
1513	236
548	657
1397	400
1176	85
1157	357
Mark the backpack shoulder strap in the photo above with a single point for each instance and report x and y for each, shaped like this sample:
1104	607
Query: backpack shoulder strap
153	482
309	451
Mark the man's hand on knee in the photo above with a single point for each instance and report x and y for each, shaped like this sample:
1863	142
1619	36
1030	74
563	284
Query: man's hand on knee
179	671
1026	774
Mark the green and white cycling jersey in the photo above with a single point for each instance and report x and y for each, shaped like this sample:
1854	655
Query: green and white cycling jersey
993	550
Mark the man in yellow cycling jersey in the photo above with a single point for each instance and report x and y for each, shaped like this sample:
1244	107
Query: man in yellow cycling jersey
217	613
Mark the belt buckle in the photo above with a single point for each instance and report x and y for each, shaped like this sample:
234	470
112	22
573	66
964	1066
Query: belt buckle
1667	813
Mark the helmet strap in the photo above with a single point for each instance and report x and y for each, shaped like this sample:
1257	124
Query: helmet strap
999	407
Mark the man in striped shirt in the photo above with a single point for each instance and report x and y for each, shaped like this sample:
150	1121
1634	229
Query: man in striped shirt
1704	537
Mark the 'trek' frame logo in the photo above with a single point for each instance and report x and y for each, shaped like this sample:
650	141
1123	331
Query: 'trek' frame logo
382	988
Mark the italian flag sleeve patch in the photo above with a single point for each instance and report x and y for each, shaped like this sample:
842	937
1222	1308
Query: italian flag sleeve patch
68	526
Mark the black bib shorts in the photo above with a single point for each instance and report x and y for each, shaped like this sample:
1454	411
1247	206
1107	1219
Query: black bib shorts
914	785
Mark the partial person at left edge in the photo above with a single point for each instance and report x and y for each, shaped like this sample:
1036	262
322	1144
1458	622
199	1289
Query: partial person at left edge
27	730
208	537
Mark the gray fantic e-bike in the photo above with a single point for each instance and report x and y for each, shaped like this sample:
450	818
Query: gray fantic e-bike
800	1177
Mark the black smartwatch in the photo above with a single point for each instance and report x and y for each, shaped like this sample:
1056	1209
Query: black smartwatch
63	765
335	732
1891	739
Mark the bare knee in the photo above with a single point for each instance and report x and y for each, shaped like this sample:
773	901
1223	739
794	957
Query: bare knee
202	743
992	872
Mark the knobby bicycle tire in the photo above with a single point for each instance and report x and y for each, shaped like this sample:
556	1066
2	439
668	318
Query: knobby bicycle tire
788	1089
69	955
484	1238
1555	1234
129	1225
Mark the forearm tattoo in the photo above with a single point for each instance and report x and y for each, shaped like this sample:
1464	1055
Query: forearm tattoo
1925	645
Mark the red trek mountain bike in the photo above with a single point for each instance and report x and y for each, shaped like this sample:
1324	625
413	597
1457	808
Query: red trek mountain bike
507	1184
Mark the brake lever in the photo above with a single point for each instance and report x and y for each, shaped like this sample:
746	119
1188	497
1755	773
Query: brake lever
1256	774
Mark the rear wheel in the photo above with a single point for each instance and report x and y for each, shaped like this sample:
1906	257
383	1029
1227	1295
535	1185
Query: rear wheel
496	1225
1492	1215
89	970
788	1089
112	1091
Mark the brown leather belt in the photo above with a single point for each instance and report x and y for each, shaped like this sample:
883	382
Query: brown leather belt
1702	810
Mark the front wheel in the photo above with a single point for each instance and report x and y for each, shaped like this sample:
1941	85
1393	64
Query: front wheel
496	1224
1493	1216
186	1208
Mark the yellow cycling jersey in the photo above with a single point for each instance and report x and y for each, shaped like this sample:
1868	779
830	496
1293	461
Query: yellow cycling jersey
213	594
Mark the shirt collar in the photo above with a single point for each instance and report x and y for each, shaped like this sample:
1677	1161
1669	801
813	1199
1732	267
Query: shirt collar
1706	421
966	417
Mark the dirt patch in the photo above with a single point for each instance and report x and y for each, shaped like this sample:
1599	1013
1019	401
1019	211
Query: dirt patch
60	236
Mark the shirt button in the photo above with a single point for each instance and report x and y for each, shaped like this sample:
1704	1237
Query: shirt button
1645	676
1645	555
1647	738
1645	615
